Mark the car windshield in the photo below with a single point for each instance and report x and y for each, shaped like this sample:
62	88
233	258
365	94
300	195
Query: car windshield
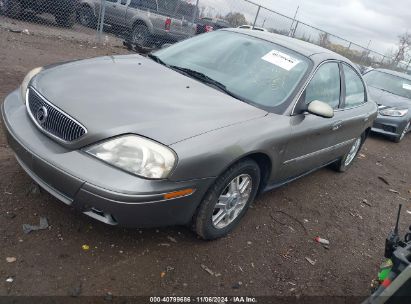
255	70
387	82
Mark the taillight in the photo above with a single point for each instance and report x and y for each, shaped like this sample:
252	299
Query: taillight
209	28
167	24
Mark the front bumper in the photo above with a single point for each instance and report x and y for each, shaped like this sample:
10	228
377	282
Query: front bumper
91	186
387	125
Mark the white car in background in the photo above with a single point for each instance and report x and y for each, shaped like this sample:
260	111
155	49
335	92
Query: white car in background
250	27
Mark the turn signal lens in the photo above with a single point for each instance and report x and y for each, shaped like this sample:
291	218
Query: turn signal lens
179	193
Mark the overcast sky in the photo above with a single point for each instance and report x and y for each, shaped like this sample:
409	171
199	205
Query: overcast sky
380	21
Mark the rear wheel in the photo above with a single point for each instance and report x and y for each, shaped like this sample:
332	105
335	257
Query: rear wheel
227	200
346	161
403	133
86	16
140	35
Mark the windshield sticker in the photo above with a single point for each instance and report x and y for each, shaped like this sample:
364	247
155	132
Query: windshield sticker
406	86
282	60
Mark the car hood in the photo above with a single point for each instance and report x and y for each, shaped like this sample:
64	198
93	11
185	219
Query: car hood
388	99
133	94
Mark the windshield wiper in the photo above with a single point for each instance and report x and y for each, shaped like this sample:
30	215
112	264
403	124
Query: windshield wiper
206	79
197	75
157	59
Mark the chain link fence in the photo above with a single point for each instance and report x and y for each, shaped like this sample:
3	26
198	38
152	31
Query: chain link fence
148	24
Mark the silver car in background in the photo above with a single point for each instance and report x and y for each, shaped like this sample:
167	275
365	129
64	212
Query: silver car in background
190	134
145	21
391	90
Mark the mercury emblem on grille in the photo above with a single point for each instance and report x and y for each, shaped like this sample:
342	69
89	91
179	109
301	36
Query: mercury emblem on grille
41	115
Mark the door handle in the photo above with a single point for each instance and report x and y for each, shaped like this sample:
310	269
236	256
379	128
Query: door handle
335	126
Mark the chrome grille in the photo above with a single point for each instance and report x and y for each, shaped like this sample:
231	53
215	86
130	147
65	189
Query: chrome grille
56	122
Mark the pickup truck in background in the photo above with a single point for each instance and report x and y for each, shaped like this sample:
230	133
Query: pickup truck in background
207	24
146	22
64	11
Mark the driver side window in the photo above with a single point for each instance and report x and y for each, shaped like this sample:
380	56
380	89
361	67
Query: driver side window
325	86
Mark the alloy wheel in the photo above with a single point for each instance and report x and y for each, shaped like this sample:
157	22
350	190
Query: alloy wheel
85	16
353	151
405	130
232	201
139	35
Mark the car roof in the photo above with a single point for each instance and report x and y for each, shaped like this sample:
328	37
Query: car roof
304	48
395	73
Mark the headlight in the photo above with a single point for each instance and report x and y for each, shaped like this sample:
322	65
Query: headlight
137	155
26	80
396	112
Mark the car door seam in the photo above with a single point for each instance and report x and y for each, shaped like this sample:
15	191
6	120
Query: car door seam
330	148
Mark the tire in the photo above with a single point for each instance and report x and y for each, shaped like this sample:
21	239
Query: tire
140	35
209	221
86	16
347	160
12	8
400	137
66	19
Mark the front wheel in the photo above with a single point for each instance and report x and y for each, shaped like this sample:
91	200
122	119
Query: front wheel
402	135
346	161
227	200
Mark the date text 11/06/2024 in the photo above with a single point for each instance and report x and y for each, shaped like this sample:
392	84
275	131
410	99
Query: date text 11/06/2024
236	299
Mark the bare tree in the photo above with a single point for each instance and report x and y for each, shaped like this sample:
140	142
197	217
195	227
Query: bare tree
202	10
404	43
235	19
324	39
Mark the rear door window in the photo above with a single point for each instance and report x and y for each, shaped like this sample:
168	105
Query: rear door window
135	3
144	4
185	10
354	88
149	4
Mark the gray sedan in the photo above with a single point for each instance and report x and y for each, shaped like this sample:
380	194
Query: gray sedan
190	134
391	90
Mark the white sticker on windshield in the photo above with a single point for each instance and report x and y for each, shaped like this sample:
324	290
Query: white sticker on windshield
406	86
280	59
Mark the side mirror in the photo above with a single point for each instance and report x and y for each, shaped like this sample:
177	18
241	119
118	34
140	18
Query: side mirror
320	108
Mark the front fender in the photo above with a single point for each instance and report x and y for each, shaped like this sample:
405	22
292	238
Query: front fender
139	19
210	154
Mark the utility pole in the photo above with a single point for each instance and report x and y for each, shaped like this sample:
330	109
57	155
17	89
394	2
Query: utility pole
368	46
195	12
256	16
366	52
291	31
408	65
101	21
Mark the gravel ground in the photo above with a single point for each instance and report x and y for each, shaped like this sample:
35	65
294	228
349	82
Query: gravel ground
266	253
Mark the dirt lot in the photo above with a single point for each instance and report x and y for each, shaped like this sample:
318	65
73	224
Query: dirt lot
266	253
